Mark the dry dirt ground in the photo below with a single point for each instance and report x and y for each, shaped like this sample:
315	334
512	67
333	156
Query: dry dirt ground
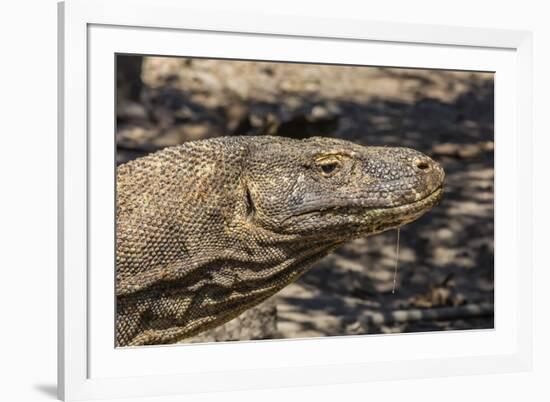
445	272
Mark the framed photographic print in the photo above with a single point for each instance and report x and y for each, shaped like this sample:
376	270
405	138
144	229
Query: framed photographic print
243	197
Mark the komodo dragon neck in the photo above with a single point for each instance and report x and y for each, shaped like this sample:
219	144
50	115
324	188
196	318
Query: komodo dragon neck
211	228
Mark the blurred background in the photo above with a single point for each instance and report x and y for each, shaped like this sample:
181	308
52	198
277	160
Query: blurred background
445	271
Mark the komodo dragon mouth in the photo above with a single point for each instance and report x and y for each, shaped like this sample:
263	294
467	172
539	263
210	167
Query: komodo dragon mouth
210	228
399	215
393	217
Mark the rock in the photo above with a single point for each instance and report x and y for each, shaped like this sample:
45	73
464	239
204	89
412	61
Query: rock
259	322
132	111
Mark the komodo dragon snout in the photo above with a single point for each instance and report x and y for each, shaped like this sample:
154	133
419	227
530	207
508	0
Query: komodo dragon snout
210	228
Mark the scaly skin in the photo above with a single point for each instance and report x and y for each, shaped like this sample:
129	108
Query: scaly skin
211	228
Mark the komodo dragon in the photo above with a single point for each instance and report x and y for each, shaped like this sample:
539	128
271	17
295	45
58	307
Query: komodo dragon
210	228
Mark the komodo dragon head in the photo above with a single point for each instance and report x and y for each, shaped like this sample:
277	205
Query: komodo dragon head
211	228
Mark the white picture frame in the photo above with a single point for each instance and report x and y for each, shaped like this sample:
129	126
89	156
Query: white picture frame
92	32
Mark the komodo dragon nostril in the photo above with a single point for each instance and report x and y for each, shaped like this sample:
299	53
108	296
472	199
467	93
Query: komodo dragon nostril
422	164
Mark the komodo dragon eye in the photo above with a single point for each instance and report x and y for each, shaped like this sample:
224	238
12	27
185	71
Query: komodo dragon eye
329	166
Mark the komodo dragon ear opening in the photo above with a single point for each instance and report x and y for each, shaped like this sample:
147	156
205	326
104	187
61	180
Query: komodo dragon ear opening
250	210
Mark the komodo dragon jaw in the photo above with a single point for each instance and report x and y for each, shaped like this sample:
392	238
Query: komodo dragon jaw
211	228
